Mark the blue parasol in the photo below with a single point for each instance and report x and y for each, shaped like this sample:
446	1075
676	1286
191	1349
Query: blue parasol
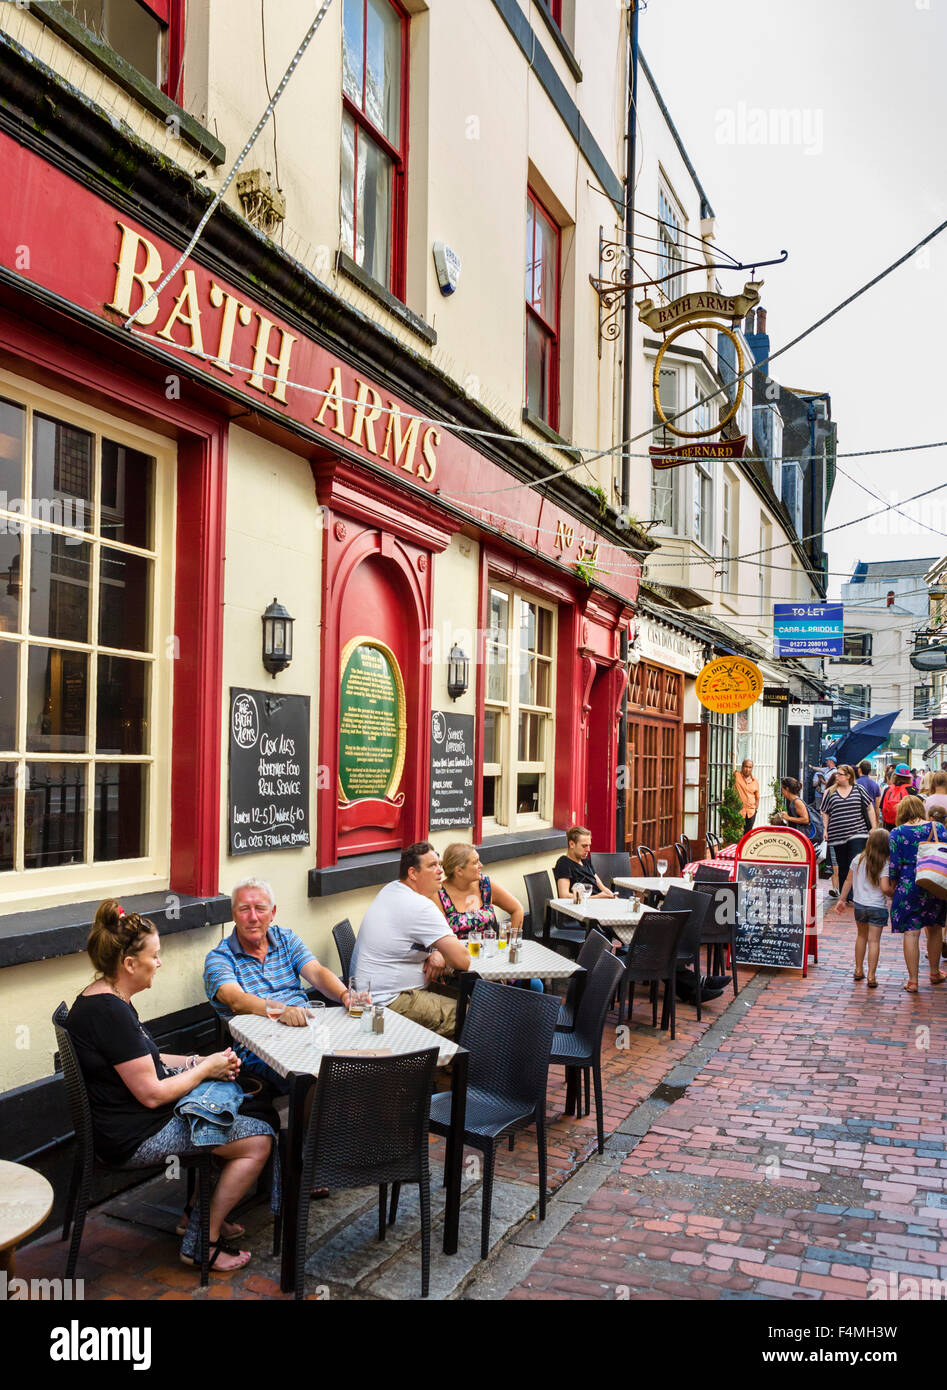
863	738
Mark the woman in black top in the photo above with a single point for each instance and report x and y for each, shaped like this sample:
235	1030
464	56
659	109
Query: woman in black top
133	1088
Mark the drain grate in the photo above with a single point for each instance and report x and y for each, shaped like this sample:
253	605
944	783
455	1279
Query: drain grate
667	1093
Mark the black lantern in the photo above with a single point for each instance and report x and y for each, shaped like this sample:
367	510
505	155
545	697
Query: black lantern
277	638
458	669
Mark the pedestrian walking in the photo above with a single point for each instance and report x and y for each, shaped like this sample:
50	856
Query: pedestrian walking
866	780
898	788
796	813
849	817
865	878
938	793
911	907
748	790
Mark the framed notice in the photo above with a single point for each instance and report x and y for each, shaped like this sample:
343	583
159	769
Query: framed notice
774	871
268	794
452	769
372	735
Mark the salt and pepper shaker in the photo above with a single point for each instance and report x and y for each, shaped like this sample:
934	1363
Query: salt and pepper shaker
378	1018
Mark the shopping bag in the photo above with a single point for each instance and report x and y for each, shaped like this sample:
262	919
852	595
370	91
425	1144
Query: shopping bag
931	874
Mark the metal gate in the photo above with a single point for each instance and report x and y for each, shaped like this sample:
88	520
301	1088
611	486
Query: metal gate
720	765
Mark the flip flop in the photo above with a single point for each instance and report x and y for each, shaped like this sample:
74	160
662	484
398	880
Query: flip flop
939	978
220	1247
230	1230
872	984
318	1194
910	987
858	977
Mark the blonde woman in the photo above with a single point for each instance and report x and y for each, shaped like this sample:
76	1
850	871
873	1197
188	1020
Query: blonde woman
467	897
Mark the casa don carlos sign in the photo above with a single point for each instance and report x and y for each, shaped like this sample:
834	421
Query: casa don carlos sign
729	685
372	734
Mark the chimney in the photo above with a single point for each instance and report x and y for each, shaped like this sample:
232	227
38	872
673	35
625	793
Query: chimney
890	603
748	324
761	320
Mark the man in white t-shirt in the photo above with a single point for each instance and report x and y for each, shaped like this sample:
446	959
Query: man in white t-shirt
404	944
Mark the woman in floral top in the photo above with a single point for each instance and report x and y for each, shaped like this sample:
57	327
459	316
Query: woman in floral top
911	907
467	897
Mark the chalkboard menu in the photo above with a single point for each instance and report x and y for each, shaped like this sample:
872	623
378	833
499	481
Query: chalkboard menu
269	771
371	722
452	764
772	901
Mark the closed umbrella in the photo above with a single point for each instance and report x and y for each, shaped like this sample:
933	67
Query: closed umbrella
863	738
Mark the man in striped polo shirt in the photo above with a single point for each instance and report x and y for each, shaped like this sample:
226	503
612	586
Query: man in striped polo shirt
260	961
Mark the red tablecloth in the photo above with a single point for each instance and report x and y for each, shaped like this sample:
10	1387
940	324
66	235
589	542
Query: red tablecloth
724	860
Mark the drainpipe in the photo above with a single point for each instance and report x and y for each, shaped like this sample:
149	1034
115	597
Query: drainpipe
631	136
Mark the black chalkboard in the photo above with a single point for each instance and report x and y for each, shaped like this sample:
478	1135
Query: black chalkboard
772	902
452	765
268	804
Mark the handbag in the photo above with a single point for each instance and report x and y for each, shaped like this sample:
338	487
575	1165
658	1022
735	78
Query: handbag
931	873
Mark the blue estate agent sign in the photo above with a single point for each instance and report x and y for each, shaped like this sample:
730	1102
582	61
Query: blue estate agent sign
807	629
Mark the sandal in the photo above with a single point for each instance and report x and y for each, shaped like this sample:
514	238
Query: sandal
872	984
318	1194
221	1247
857	976
910	987
230	1230
939	978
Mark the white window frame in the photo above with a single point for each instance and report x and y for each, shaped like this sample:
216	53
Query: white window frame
702	506
663	480
671	225
508	712
150	871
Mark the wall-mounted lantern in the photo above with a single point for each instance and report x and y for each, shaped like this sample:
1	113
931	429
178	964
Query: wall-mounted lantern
277	638
458	671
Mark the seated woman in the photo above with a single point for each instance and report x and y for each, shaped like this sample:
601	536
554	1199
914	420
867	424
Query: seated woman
133	1088
467	897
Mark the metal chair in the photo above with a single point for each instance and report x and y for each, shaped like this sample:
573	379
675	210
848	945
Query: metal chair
720	926
86	1161
649	867
611	866
539	892
596	944
509	1035
368	1127
582	1048
651	958
683	858
713	843
344	938
698	906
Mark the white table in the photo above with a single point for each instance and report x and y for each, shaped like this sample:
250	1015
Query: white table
651	885
535	962
26	1199
619	915
294	1053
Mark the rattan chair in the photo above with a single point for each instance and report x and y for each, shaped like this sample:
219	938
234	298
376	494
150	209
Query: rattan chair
611	866
697	906
596	943
720	926
582	1048
539	892
86	1161
368	1127
344	938
509	1035
651	958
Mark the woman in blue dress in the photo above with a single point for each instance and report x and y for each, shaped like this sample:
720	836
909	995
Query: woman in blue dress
911	907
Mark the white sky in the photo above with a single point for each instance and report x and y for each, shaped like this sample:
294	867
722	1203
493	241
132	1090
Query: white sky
864	183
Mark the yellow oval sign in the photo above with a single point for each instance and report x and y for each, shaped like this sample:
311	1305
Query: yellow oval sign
729	685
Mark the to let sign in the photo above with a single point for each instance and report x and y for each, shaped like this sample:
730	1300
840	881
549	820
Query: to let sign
268	798
807	629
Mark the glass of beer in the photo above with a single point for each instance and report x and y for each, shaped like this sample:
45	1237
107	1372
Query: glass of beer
360	996
473	943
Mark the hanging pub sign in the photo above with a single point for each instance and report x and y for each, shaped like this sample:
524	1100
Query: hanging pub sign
822	709
729	685
775	696
268	795
372	736
807	629
800	715
710	449
840	723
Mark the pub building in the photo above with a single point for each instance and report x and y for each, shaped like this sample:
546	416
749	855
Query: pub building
257	613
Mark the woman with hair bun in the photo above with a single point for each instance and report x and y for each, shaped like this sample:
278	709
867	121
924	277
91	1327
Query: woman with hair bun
133	1088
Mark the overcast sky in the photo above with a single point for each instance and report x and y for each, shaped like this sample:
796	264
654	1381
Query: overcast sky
860	86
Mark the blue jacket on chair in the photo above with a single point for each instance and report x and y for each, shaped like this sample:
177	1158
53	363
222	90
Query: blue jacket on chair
211	1110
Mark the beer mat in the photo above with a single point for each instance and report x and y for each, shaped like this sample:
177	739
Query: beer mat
362	1052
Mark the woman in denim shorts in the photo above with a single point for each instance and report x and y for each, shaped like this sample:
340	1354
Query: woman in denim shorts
865	878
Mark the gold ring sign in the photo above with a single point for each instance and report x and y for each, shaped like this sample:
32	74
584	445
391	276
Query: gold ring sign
676	333
729	685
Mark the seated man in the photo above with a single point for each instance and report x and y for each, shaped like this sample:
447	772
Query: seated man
575	866
260	961
404	944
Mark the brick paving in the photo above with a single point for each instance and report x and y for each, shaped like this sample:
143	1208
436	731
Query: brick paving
806	1160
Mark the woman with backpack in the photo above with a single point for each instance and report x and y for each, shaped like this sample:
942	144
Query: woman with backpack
867	878
849	818
900	786
911	907
796	813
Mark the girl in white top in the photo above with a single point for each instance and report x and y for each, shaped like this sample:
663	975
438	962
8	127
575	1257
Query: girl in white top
868	880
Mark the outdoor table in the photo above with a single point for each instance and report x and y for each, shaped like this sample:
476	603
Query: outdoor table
26	1199
619	915
293	1053
536	962
651	885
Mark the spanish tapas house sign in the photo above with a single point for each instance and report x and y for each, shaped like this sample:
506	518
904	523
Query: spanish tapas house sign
268	799
372	734
729	685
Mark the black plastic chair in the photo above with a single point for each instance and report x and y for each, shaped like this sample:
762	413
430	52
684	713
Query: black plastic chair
720	926
611	866
344	938
582	1048
697	906
539	892
368	1127
711	873
86	1161
596	943
509	1035
651	958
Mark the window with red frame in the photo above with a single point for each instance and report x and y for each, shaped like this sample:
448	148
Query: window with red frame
374	143
149	34
542	313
